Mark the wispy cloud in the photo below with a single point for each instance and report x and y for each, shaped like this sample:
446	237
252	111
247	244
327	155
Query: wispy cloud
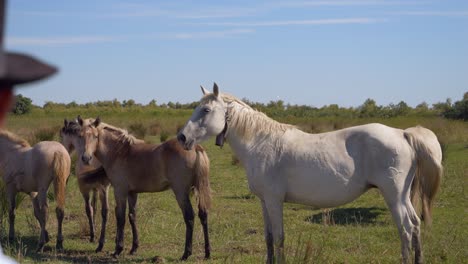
338	3
209	34
295	22
434	13
216	13
83	40
60	41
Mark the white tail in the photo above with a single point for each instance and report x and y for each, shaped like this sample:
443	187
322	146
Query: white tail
429	168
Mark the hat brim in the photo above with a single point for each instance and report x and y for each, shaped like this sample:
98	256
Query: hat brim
22	69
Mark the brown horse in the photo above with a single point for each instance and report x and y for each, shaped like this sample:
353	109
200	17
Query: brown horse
31	170
135	168
100	188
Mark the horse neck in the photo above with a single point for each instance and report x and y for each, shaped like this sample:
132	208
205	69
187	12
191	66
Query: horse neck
108	147
250	143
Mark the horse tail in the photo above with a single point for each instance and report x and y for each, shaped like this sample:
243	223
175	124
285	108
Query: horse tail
429	168
61	166
202	179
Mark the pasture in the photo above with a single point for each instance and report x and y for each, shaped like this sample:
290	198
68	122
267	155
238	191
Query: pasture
360	232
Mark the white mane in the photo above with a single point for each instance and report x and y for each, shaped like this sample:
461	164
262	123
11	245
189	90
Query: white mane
247	122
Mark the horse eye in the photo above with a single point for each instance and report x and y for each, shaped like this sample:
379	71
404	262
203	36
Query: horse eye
206	110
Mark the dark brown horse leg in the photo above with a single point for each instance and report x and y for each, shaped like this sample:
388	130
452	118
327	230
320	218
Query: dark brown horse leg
203	215
187	211
120	208
104	210
60	213
268	234
132	200
90	214
11	211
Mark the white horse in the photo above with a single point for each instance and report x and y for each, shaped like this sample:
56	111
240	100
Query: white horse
285	164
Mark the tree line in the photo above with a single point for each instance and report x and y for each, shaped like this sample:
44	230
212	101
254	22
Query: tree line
369	109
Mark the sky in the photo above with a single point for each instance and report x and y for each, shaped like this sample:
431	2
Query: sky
302	52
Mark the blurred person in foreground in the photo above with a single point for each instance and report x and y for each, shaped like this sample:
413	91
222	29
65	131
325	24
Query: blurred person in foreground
15	69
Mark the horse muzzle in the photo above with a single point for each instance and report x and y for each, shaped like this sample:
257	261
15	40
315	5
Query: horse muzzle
86	159
186	144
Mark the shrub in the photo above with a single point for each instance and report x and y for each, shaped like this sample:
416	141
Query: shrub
23	105
43	134
138	129
164	136
154	129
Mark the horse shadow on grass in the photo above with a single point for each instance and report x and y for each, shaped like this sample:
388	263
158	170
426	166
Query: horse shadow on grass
348	216
24	248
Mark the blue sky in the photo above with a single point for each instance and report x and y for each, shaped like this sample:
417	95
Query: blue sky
303	52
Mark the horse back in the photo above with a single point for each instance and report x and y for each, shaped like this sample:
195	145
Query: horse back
334	168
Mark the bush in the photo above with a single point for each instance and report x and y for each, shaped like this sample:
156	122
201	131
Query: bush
164	136
43	134
23	105
154	129
138	129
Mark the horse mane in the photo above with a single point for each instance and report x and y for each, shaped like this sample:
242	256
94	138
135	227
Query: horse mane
72	128
123	140
14	138
247	121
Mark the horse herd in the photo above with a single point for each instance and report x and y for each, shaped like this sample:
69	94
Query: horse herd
282	163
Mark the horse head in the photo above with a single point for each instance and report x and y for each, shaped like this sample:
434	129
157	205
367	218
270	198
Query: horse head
208	119
88	138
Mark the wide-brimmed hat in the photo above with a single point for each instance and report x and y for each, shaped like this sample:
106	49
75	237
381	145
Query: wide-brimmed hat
17	68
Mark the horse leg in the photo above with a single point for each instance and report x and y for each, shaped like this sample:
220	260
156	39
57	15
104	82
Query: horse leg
11	197
120	208
93	204
42	206
59	212
416	239
132	200
203	215
398	202
268	234
274	208
184	203
89	213
104	210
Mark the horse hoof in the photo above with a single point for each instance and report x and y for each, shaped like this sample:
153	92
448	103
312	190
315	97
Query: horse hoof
134	249
59	246
47	239
40	249
117	252
185	257
91	239
99	248
207	256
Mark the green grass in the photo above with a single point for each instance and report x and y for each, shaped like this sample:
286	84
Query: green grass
360	232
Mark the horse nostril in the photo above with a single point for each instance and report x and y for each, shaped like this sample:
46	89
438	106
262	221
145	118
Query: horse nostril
181	138
86	159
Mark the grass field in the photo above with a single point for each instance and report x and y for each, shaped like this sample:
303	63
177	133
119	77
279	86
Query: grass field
360	232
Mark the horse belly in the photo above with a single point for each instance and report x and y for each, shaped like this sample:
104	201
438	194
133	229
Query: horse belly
322	192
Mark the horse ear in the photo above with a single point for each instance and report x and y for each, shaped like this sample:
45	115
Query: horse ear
215	89
97	121
65	122
80	121
204	91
